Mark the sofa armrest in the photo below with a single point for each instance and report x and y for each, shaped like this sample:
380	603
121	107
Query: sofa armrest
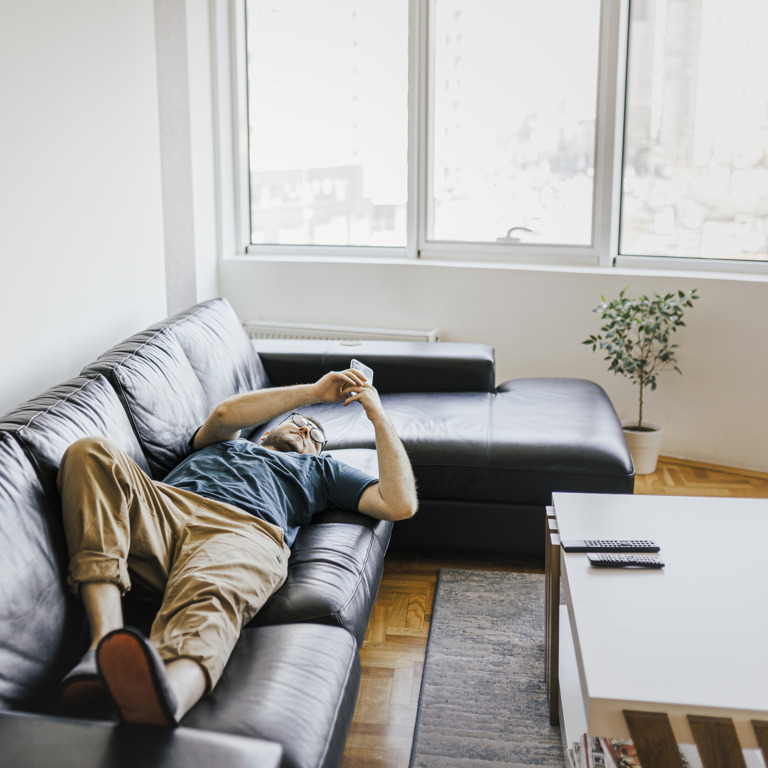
399	366
39	741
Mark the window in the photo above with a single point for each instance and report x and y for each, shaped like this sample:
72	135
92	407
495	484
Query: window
505	128
328	121
513	130
695	181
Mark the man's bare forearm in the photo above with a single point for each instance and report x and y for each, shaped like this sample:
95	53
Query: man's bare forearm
258	407
250	409
397	485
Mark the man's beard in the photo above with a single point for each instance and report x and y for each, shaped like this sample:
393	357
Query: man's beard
280	443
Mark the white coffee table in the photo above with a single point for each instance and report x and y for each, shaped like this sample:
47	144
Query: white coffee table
689	639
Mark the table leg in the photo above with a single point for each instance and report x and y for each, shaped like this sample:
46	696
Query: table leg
761	732
717	742
553	627
653	738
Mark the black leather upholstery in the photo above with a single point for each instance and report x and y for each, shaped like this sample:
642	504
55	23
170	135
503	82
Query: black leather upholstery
301	693
334	572
48	424
516	445
161	394
485	529
398	366
34	741
39	622
220	354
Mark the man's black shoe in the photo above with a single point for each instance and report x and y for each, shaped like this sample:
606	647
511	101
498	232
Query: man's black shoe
136	678
81	692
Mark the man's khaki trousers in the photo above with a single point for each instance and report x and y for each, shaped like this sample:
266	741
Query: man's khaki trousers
212	564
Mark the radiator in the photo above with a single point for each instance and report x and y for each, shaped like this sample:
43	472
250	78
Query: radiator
267	329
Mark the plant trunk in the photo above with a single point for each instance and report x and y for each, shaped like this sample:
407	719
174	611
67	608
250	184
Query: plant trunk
640	415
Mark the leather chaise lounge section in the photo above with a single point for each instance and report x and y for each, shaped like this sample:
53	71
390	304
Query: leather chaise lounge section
486	459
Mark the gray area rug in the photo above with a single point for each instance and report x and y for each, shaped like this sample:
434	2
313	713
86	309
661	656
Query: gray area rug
483	697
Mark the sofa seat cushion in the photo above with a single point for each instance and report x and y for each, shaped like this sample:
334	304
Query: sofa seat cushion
515	445
333	573
294	684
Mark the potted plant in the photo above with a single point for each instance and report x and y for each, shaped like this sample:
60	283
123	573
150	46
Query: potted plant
637	339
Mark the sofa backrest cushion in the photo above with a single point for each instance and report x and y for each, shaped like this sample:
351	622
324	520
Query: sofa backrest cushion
81	407
219	350
37	617
398	366
160	392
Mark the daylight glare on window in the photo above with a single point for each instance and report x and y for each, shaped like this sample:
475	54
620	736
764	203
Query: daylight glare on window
513	136
695	181
328	121
517	125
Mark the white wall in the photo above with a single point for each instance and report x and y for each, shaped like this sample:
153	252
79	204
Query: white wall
536	318
81	229
184	77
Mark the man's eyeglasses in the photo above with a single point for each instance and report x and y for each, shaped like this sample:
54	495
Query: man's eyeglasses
315	433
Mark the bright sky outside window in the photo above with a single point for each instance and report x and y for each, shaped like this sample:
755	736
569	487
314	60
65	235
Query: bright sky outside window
508	126
695	180
328	121
515	93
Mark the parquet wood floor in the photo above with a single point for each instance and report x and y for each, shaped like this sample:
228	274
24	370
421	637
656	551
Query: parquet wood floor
392	655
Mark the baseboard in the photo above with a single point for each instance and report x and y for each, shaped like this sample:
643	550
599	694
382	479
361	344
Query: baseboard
714	467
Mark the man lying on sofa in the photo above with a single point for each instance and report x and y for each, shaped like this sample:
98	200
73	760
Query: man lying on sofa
212	539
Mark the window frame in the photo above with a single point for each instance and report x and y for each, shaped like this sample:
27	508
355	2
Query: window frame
232	108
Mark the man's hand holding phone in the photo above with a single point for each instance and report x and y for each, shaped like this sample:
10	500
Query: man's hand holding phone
356	365
368	397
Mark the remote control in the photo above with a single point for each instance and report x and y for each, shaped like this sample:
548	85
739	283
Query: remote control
609	545
617	560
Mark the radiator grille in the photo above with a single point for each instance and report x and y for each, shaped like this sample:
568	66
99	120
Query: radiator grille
266	329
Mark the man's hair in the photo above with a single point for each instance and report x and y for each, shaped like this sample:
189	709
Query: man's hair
315	422
269	438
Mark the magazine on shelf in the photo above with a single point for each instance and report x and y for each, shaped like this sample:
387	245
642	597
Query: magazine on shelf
620	753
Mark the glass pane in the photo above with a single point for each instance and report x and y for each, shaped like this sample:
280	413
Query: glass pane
328	121
696	136
515	92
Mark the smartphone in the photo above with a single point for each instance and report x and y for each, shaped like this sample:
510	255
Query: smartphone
364	369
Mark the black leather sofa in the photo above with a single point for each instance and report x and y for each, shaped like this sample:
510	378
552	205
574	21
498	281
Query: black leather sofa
486	460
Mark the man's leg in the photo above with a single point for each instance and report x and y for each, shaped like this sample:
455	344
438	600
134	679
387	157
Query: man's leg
227	566
112	511
115	517
188	680
145	689
103	606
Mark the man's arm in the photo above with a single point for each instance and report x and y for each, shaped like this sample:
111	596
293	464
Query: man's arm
258	407
394	496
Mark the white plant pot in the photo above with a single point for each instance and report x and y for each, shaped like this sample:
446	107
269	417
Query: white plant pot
644	446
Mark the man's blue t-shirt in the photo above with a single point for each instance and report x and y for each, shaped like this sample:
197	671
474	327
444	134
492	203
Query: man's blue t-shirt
285	489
